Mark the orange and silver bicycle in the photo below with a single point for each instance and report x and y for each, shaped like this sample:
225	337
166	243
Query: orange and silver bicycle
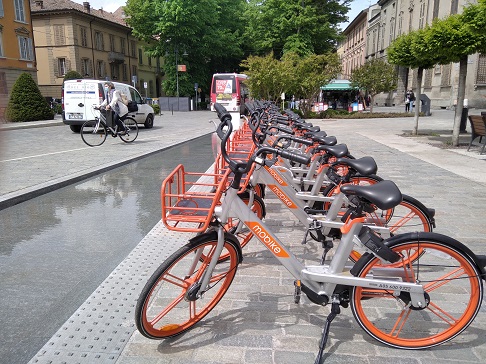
398	290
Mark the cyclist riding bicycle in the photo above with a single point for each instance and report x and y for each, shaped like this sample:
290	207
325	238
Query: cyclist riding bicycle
113	102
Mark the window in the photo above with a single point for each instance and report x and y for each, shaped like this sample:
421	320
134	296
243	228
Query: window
86	67
1	8
122	45
1	43
25	48
124	72
59	38
19	10
115	71
140	56
100	69
454	6
133	47
61	66
134	70
481	74
112	43
428	78
3	83
150	61
99	41
446	75
422	15
84	36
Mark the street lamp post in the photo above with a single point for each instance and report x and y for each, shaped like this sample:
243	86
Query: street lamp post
177	67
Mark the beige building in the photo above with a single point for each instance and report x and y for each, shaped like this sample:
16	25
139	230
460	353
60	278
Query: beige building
353	48
389	19
96	43
16	46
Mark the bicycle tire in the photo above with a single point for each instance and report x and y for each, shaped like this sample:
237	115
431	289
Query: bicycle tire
132	132
93	133
162	310
445	267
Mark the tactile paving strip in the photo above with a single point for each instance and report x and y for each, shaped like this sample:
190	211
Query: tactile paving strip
99	330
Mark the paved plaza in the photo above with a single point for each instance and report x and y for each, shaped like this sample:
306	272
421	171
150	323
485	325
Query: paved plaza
257	321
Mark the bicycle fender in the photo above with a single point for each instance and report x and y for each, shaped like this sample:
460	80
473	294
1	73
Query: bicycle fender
479	261
230	238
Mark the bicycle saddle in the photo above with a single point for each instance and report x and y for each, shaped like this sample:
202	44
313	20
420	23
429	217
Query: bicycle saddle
328	140
364	165
385	194
338	150
315	134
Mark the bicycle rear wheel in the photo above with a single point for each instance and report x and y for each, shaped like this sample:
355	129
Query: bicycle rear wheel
166	307
93	133
132	132
450	278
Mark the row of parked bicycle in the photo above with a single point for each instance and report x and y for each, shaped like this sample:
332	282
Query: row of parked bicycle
407	287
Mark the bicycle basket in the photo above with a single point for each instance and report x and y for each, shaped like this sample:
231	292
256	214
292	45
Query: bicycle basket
188	199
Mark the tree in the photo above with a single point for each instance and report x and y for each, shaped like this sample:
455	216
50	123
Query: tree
208	31
72	75
412	50
26	102
374	76
309	74
300	26
454	39
302	76
266	77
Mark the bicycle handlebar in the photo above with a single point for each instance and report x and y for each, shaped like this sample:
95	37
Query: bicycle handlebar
239	167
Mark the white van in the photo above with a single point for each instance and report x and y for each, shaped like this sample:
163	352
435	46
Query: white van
79	96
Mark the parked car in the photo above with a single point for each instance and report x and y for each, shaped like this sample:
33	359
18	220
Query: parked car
79	96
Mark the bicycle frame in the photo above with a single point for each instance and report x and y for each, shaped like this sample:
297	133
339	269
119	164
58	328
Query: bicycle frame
321	279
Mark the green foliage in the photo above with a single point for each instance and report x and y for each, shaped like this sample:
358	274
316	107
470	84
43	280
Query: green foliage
58	109
294	75
72	75
209	31
156	108
300	26
26	102
374	76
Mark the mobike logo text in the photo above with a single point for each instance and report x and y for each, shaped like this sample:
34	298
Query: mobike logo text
282	196
275	175
266	239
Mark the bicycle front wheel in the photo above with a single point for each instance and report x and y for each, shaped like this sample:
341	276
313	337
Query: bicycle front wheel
167	306
132	130
451	282
93	133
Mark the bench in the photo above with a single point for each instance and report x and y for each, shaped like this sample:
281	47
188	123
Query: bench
478	129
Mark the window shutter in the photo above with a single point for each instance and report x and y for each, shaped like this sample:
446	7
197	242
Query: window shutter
59	38
68	65
90	68
56	67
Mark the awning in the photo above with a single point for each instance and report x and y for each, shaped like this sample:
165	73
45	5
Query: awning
338	85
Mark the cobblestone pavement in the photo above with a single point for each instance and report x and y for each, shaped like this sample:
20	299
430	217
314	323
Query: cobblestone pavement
257	321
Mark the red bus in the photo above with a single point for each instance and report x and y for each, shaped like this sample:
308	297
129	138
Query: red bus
229	90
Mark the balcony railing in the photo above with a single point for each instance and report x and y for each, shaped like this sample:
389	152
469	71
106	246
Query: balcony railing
116	57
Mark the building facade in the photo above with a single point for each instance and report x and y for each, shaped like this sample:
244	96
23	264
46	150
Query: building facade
16	46
96	43
389	19
353	48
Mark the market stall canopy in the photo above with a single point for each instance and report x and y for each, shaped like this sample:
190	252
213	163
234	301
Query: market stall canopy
338	85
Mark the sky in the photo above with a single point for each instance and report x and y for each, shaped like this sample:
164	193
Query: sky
112	5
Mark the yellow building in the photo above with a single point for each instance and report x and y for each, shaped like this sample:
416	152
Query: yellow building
16	46
70	36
